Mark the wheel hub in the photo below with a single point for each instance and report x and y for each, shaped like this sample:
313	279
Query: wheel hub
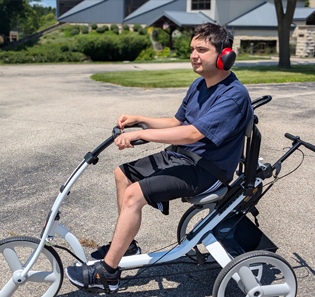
18	278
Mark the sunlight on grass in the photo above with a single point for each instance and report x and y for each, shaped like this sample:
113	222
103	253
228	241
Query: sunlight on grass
184	77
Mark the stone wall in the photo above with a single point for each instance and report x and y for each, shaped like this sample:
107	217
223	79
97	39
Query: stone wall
305	44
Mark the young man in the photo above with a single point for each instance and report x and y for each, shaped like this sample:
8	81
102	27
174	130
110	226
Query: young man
210	123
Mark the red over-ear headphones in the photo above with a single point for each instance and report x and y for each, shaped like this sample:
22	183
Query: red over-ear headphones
227	56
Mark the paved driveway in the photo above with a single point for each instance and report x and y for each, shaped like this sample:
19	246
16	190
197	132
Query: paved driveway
52	115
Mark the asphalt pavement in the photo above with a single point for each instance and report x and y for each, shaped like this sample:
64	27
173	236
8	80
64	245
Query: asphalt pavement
52	115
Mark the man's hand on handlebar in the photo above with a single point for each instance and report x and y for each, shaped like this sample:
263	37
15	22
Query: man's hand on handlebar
127	120
124	140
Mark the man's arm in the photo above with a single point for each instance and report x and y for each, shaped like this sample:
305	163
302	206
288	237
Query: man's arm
151	123
174	135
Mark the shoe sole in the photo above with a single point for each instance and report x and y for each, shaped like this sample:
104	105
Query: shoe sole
137	253
92	288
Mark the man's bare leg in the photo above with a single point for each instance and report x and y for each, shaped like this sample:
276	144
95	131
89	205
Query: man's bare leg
122	183
128	223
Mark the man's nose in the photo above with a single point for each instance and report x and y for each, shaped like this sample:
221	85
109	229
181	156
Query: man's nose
193	54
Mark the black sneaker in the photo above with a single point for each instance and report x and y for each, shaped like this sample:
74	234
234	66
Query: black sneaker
89	277
101	252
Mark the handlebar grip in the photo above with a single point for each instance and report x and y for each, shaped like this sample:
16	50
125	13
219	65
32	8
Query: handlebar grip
306	144
117	131
291	137
309	146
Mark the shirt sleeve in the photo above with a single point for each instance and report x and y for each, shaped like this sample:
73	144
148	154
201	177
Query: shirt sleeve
221	119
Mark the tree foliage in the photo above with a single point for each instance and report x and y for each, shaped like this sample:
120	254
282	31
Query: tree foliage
21	16
9	11
284	26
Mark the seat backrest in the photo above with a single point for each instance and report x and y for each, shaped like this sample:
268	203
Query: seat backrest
253	141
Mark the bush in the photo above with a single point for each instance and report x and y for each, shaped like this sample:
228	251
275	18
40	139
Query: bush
116	31
182	45
85	31
136	27
146	54
161	36
112	47
125	27
142	31
113	26
102	29
94	26
42	54
74	31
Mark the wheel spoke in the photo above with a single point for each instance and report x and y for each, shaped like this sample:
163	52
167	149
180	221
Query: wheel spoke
9	289
12	259
247	278
275	290
41	276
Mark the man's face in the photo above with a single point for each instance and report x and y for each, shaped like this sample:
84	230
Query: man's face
203	57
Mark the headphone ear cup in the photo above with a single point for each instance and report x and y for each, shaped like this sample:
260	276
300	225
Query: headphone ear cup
226	59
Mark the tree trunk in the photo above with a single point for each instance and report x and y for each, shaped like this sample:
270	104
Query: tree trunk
284	28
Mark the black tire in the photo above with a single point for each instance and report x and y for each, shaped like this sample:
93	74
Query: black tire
191	218
265	269
45	277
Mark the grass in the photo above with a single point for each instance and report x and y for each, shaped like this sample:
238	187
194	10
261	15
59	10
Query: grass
184	77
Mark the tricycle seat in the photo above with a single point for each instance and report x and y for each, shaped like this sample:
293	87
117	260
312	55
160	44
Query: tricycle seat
212	197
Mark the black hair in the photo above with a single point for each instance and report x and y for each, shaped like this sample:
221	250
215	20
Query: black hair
218	36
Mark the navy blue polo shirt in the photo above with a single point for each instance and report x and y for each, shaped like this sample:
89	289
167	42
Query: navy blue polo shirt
221	113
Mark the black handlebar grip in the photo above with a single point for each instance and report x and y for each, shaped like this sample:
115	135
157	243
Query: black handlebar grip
309	146
117	131
291	137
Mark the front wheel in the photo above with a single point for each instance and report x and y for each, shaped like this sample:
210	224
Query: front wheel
256	274
45	277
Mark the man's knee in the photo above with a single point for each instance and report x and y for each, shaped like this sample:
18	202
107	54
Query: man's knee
133	197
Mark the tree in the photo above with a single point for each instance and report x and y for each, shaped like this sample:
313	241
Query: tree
9	10
284	28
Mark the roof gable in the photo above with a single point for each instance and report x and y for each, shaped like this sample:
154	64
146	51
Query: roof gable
148	6
184	19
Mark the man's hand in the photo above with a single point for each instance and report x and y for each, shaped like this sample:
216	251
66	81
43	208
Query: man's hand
124	140
127	120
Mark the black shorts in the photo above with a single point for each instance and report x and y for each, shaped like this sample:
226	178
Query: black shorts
163	177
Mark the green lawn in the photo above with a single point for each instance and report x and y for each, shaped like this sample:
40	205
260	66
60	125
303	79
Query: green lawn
184	77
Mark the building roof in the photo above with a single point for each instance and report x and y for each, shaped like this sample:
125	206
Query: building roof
81	6
303	13
184	19
263	15
148	6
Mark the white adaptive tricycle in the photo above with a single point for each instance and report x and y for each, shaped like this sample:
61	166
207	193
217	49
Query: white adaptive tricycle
215	228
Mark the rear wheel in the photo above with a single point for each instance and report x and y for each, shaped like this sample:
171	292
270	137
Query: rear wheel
259	274
45	277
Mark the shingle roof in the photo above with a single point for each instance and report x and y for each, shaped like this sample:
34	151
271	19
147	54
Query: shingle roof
181	18
150	5
81	6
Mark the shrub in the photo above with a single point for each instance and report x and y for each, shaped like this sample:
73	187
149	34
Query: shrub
85	31
182	45
64	48
102	29
94	26
112	47
161	36
146	54
74	31
142	31
41	54
125	27
166	51
113	26
116	31
136	27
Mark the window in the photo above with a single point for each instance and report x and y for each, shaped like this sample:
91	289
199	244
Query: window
132	5
200	4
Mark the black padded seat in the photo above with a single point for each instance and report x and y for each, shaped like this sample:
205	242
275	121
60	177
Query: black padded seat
208	198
